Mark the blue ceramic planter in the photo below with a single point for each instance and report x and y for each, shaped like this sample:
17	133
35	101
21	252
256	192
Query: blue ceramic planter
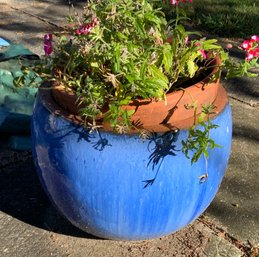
120	186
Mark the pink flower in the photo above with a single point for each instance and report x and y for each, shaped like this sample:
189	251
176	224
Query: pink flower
84	29
87	28
253	53
48	49
251	47
250	55
203	53
246	45
95	21
256	52
255	38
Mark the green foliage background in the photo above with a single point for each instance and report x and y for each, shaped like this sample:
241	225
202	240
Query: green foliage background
229	18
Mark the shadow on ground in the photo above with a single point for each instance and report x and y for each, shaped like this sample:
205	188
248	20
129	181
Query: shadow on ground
22	197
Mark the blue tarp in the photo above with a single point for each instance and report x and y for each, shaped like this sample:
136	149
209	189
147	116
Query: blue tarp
3	42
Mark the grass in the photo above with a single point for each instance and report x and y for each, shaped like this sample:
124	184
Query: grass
229	18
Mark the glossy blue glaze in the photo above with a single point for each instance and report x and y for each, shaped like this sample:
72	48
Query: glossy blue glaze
102	182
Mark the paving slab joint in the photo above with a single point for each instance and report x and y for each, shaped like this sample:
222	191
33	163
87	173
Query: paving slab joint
37	17
247	248
252	104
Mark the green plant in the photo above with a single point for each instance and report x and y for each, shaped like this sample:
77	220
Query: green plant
199	140
119	51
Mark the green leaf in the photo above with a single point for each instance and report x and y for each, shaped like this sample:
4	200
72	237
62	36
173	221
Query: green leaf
181	29
143	70
130	112
63	39
139	26
121	36
116	58
131	77
154	87
125	101
210	45
153	18
159	75
94	64
192	67
167	57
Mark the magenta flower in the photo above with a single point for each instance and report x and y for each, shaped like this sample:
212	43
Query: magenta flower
246	45
250	55
251	47
87	28
203	53
48	49
84	29
255	38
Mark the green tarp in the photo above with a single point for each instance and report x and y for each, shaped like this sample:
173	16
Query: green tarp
16	104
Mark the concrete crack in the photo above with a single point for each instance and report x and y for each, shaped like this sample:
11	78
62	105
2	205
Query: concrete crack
38	17
244	102
246	248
